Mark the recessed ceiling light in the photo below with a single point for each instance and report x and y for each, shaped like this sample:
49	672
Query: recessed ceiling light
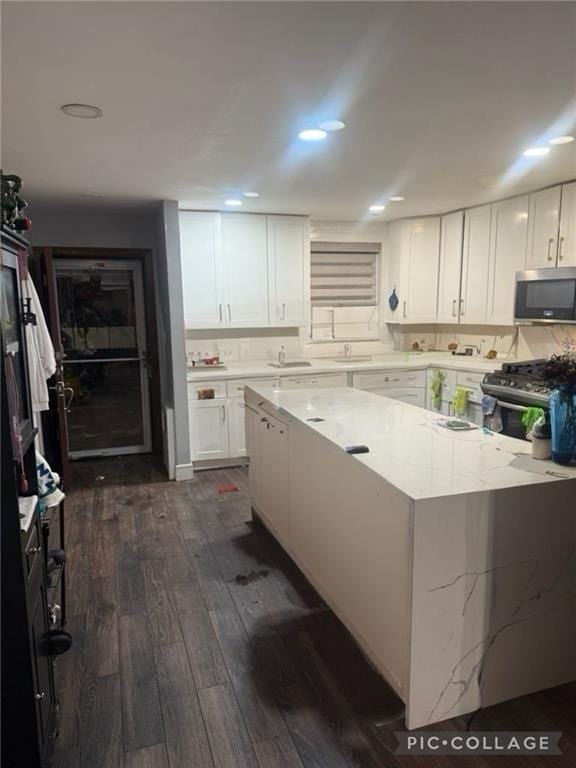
536	151
312	134
332	125
376	208
233	203
396	199
251	194
85	111
561	140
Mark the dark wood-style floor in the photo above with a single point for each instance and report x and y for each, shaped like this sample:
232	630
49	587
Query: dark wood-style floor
198	644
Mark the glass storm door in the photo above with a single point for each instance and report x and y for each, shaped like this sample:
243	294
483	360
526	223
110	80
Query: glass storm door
104	361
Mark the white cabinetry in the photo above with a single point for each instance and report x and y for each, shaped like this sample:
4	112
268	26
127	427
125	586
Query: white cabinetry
274	491
288	269
237	427
320	381
567	241
451	234
201	269
243	270
475	265
208	429
407	386
507	256
543	219
420	244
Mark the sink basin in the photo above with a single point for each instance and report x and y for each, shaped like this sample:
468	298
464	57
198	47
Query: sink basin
353	359
291	364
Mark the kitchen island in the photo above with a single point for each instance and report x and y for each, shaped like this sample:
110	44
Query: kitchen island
450	556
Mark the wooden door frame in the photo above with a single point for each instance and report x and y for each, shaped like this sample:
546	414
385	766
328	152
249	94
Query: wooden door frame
145	257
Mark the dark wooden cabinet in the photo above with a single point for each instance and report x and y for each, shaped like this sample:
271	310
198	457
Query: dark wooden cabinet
28	697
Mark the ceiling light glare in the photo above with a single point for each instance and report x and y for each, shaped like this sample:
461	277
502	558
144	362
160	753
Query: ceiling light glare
251	194
562	140
397	199
233	203
378	208
332	125
536	151
312	134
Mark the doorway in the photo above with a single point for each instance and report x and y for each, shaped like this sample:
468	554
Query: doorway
104	368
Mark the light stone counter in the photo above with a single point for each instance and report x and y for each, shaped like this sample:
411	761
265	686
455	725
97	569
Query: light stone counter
451	557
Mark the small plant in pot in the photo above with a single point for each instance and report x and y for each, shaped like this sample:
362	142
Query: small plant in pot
560	371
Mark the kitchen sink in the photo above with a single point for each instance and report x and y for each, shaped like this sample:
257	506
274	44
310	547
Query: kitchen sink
291	364
352	359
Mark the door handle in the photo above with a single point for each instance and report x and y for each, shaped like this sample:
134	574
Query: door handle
550	241
229	313
461	306
68	403
404	309
223	412
283	311
560	244
220	312
453	307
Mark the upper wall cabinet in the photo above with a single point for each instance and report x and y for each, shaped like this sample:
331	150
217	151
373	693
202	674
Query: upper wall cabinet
543	222
509	233
475	265
243	270
288	269
200	249
451	234
567	241
419	242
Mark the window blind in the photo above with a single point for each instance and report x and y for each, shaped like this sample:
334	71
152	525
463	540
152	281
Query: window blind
344	274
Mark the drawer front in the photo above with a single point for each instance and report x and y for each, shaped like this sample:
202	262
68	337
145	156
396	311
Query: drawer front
412	395
206	390
236	387
314	382
390	379
472	382
33	550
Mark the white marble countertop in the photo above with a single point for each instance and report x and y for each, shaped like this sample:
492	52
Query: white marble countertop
391	361
408	447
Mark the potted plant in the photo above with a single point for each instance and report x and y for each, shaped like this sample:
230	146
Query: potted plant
560	371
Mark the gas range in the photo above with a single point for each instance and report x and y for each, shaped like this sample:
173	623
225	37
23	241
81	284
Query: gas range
519	382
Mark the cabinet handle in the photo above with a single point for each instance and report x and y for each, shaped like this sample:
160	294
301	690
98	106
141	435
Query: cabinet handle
223	412
220	312
229	313
550	241
560	254
404	309
461	306
283	311
453	307
39	696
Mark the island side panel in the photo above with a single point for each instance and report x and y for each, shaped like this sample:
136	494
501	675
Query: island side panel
493	599
350	534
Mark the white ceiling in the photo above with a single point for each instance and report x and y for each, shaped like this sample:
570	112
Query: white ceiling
204	99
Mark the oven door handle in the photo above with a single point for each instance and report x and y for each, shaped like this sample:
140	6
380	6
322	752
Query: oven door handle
512	406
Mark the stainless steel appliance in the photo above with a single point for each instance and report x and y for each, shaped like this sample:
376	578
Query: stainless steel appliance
546	296
516	387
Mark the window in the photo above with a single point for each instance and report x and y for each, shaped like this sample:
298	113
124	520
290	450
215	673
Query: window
344	291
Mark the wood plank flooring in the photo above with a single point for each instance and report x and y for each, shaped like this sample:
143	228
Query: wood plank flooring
198	644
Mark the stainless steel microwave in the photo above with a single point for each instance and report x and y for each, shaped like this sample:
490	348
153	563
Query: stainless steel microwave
545	296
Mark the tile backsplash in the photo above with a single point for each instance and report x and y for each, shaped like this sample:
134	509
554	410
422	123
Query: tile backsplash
522	343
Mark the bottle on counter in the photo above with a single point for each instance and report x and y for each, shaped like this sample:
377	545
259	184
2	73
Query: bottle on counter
542	439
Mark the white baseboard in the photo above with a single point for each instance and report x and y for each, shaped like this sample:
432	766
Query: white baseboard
183	472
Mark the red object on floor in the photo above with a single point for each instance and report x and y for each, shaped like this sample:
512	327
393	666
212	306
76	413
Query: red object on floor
226	488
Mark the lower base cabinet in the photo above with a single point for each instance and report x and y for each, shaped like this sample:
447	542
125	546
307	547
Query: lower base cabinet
208	429
237	427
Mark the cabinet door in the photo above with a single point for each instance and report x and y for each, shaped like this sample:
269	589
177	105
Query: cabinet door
245	270
507	256
208	429
199	248
543	220
567	242
475	265
420	273
237	427
288	269
274	476
451	234
253	438
322	381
